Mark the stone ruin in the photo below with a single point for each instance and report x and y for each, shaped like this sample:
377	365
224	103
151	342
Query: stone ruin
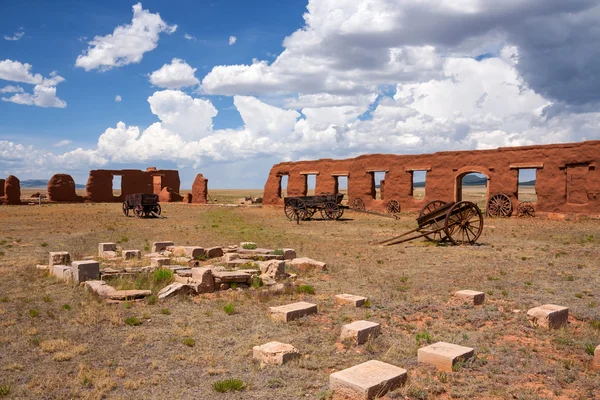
567	180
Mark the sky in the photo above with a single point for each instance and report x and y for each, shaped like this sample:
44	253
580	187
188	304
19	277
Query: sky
228	88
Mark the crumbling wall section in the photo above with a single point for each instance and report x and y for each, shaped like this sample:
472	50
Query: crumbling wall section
61	187
99	187
200	190
12	190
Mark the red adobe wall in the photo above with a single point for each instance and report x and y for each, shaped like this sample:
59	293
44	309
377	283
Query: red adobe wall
567	177
99	184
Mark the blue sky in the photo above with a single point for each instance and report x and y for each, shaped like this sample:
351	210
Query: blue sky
228	88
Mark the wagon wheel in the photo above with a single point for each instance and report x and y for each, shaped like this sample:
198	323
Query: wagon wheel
138	211
310	212
125	209
359	204
464	223
293	207
430	207
525	209
331	211
156	210
393	207
499	205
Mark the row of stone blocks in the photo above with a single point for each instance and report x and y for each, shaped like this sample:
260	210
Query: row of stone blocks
60	265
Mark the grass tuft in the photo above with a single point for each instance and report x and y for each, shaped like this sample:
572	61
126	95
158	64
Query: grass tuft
229	309
34	313
163	275
190	342
249	246
132	321
307	289
229	385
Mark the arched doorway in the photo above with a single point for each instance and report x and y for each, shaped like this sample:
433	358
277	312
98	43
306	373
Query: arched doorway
472	185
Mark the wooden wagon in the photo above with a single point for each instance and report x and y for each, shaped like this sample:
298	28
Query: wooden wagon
459	222
142	204
304	207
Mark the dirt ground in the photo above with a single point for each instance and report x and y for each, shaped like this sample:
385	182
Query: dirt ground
59	342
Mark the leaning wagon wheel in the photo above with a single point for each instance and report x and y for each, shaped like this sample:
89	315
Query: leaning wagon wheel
330	210
125	209
430	207
292	207
525	209
156	210
359	204
499	205
393	207
138	211
310	212
464	223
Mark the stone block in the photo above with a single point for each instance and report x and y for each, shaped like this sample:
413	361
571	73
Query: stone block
293	311
186	251
131	254
306	264
159	261
597	357
444	355
62	272
203	280
274	269
214	252
289	254
101	288
231	276
366	381
274	353
82	271
356	301
59	258
157	247
471	296
360	331
228	257
127	294
240	263
548	316
109	254
173	289
102	247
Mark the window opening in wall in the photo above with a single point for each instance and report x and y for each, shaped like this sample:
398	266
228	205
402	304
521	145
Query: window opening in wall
117	187
379	186
341	186
418	184
283	183
527	181
473	187
156	184
311	184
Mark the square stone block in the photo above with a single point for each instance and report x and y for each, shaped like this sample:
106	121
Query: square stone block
444	355
292	311
548	316
369	380
231	276
360	331
82	271
131	254
274	353
109	254
214	252
471	296
289	254
186	251
102	247
62	272
356	301
59	258
160	246
160	261
597	357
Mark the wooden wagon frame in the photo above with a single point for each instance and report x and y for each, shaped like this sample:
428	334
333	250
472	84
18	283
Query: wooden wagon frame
142	204
304	207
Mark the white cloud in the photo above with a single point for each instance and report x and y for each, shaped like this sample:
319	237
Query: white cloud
232	40
118	98
176	75
16	71
189	37
12	89
42	96
62	143
15	36
127	44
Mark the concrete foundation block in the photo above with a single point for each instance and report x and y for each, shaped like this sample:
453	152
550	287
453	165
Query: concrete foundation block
471	296
131	254
62	272
82	271
444	355
306	264
102	247
274	353
59	258
360	331
366	381
157	247
356	301
548	316
292	311
160	261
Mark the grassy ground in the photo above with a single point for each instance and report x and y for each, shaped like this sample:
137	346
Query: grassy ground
58	341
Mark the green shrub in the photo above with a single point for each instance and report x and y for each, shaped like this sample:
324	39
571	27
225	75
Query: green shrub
229	385
249	246
163	275
165	311
190	342
4	390
423	337
132	321
229	309
305	289
34	313
589	348
278	252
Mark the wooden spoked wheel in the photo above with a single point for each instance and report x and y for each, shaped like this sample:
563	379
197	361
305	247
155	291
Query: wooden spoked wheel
429	208
295	208
125	209
156	210
464	223
331	211
358	204
139	211
525	209
499	206
393	207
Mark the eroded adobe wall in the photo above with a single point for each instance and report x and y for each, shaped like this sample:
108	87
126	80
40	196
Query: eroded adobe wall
567	177
2	187
12	190
199	190
61	187
100	183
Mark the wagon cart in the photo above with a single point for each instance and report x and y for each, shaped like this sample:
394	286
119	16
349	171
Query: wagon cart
392	207
459	222
142	205
304	207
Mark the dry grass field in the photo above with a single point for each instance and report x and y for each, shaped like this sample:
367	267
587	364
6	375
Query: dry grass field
60	342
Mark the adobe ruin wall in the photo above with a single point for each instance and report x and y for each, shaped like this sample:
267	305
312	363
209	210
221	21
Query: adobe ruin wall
567	179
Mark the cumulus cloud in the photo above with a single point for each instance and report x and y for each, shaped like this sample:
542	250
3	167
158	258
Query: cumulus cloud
232	40
44	92
127	44
176	75
118	98
11	89
62	143
16	36
42	96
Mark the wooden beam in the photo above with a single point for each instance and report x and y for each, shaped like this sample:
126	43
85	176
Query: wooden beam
309	173
527	166
413	169
370	170
340	173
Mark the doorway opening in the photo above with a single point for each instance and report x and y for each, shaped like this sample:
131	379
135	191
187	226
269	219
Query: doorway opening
311	184
156	184
377	184
117	185
283	183
527	182
419	179
472	186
